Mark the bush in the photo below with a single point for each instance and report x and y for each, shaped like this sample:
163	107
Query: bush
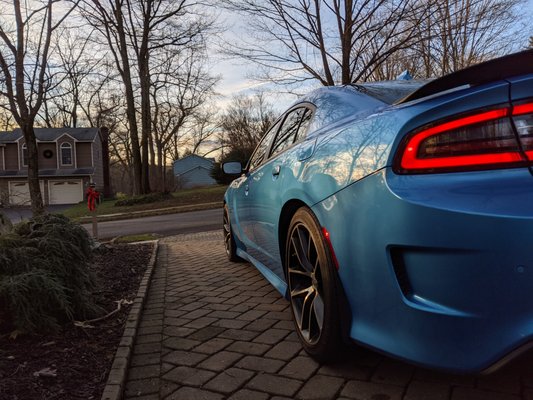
44	275
144	199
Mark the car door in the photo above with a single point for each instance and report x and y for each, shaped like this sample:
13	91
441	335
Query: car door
243	202
265	190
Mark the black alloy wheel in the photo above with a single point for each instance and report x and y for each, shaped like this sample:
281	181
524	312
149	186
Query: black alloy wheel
312	287
229	241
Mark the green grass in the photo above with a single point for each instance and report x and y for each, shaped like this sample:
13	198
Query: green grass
183	197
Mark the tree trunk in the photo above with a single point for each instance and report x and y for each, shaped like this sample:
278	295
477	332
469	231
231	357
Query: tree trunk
37	206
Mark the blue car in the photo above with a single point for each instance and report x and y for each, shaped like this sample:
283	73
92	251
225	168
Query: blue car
399	215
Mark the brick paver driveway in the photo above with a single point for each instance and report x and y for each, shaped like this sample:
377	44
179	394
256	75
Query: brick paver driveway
213	330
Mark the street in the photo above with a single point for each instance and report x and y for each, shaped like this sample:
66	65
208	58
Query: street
165	225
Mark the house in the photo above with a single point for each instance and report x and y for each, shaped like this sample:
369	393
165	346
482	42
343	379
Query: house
69	159
194	170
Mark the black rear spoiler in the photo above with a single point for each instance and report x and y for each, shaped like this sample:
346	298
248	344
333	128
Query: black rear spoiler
489	71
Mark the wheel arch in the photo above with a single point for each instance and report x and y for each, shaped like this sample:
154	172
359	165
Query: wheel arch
287	211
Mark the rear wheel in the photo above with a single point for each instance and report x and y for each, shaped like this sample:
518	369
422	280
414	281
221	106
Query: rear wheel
229	241
313	291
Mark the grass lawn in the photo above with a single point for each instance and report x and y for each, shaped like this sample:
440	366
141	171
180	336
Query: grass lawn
183	197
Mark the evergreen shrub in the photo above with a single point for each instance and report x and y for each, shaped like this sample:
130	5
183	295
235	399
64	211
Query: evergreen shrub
44	275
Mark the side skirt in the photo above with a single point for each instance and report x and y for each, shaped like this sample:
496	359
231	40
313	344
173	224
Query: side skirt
280	285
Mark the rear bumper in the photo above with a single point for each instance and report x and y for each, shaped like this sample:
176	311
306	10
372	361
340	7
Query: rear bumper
437	269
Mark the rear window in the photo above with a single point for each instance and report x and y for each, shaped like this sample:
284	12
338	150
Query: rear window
389	92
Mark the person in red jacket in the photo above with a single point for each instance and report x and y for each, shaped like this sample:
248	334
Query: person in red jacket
92	196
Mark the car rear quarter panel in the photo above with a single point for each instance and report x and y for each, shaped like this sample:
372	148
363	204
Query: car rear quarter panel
444	285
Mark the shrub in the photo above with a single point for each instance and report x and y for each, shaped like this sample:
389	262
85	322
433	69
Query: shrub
44	275
144	199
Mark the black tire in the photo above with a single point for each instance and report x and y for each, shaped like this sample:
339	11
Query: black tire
229	241
313	291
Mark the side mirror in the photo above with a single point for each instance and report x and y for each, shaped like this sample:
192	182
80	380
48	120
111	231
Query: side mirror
232	168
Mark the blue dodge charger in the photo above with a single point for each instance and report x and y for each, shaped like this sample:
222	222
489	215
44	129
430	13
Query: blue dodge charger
399	215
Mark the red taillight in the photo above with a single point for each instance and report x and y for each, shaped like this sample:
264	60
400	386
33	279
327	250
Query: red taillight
479	141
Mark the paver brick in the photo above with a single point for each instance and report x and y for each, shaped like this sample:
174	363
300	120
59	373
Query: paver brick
201	322
221	360
260	325
230	323
238	334
213	346
153	338
178	343
347	370
271	336
146	371
142	387
301	367
187	393
206	333
229	380
284	350
145	359
255	349
260	364
189	376
246	394
274	384
180	357
147	348
320	387
371	391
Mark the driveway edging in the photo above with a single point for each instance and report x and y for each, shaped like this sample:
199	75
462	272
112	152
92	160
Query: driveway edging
116	380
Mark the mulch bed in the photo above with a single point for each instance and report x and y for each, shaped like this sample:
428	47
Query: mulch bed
74	364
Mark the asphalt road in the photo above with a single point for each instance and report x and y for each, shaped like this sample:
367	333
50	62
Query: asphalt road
165	225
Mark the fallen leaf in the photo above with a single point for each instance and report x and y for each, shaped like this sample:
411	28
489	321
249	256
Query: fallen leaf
46	372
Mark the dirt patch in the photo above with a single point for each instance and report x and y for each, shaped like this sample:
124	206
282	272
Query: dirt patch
74	363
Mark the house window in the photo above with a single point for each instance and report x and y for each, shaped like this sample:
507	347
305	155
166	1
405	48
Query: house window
24	155
66	154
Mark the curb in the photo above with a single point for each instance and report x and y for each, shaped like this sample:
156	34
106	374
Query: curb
117	375
151	213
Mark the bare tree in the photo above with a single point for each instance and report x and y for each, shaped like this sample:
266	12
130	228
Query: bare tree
25	47
244	123
330	41
179	90
460	33
136	33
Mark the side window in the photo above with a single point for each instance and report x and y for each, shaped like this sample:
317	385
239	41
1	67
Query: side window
260	153
293	129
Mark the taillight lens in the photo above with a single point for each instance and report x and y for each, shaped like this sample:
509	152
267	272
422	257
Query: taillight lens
523	120
483	140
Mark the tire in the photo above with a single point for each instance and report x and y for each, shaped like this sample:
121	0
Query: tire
229	240
312	287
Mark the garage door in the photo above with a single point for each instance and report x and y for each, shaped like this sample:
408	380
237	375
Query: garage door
19	193
65	192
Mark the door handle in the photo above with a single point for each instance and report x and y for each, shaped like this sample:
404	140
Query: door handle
276	170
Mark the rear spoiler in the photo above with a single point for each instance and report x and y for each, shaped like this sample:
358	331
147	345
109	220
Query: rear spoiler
489	71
